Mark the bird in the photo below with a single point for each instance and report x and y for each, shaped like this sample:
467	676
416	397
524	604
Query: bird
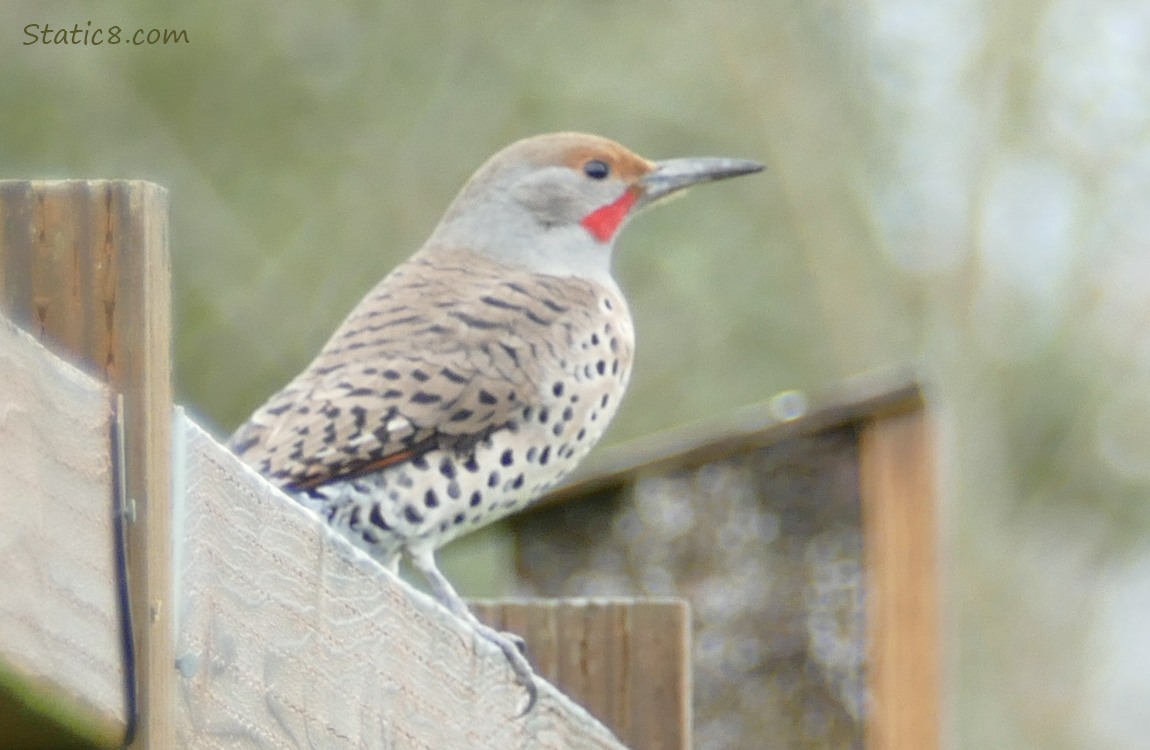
480	371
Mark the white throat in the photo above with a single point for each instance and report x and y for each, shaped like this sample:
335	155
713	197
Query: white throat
519	241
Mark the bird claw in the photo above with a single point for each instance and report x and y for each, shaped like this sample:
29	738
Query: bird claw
515	639
514	648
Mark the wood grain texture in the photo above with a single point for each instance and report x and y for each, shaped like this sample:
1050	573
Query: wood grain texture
289	637
897	476
60	649
625	661
86	269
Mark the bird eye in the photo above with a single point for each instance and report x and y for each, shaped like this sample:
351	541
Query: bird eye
596	169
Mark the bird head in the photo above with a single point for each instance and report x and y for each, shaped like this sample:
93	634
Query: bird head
555	203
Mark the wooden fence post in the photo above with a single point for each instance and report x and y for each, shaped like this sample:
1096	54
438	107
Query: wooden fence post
84	266
896	477
627	661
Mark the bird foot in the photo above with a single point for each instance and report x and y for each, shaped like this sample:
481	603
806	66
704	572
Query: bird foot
513	648
515	639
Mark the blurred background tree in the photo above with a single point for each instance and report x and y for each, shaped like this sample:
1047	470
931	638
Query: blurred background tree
962	185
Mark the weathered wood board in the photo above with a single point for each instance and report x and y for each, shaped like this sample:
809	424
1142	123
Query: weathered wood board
60	650
290	637
628	661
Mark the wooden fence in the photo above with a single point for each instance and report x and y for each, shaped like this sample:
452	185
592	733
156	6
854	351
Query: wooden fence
806	542
161	594
229	616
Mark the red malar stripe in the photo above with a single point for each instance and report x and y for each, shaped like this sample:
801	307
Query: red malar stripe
603	221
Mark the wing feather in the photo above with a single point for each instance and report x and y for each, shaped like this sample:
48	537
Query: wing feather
444	351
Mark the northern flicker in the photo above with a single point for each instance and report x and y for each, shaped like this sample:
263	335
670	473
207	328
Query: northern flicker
480	371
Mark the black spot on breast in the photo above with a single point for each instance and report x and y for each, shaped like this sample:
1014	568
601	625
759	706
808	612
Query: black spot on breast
453	489
493	480
544	456
507	458
392	374
471	464
601	367
487	398
423	397
476	498
420	375
557	389
412	516
447	468
431	500
376	518
420	462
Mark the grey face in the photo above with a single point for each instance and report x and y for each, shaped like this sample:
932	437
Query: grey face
560	195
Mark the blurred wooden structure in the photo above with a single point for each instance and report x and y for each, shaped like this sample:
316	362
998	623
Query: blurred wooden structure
256	625
85	264
626	661
250	622
807	545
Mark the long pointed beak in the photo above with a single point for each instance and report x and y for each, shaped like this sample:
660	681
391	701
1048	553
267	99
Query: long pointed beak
672	175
